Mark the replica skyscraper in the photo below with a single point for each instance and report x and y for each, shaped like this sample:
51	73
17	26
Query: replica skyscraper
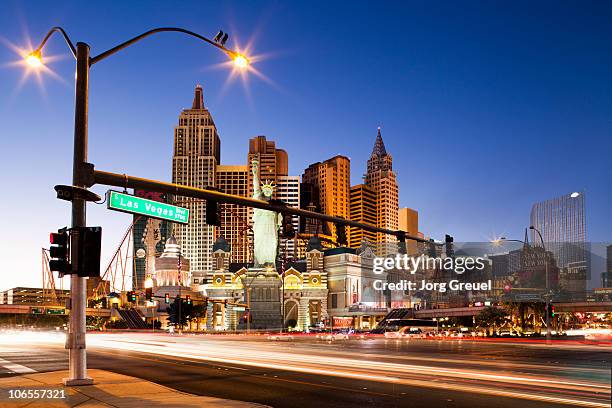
196	155
381	178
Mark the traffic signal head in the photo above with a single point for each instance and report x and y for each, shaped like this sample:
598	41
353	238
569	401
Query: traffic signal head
287	228
131	296
448	243
550	310
341	234
213	215
149	293
89	248
167	298
59	252
188	298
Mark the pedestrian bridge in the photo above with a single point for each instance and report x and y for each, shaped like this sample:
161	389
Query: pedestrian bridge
54	310
584	307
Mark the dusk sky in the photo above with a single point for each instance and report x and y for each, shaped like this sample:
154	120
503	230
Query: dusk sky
486	108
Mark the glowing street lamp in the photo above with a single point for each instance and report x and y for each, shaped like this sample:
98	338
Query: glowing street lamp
499	241
240	61
34	59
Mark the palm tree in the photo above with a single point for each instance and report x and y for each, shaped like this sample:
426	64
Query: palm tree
491	317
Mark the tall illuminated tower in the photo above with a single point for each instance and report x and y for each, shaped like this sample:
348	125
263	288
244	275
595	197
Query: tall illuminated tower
381	178
196	155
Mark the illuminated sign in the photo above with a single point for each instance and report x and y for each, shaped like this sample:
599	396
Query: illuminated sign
136	205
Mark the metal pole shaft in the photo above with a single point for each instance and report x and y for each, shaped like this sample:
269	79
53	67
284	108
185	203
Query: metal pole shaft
180	300
75	341
548	333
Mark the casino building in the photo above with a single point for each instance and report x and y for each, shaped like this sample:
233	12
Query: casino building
330	287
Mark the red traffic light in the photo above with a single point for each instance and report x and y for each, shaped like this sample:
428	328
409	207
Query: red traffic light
58	238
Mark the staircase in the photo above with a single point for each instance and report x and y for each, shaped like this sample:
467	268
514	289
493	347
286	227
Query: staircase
132	318
401	313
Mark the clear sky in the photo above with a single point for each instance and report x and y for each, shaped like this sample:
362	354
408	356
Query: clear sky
486	108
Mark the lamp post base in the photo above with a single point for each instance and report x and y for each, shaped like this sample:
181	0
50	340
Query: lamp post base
71	382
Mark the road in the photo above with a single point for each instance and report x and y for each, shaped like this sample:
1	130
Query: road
354	373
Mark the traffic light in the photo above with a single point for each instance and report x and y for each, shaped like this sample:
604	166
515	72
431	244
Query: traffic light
131	296
431	248
287	228
448	244
89	249
58	252
341	234
149	293
188	299
550	310
401	239
167	298
213	213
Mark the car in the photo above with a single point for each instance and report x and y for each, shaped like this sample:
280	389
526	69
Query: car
340	335
280	337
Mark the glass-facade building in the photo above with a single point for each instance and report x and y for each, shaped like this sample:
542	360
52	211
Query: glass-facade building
561	221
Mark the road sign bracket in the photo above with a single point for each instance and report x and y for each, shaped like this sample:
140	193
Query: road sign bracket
71	193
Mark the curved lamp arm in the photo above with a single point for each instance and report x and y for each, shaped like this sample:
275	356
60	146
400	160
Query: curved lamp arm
63	33
514	240
540	235
123	45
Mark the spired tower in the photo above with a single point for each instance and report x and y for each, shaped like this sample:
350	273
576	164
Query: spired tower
196	155
381	178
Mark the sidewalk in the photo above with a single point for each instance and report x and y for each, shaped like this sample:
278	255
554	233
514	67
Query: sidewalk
108	390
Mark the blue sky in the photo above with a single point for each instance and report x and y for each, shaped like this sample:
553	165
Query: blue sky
486	108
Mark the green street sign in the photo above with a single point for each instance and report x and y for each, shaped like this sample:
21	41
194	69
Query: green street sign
135	205
38	310
56	311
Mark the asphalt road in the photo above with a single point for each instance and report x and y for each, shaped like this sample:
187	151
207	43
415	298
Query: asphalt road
355	373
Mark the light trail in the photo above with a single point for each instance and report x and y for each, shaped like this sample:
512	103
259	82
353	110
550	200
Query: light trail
266	355
315	360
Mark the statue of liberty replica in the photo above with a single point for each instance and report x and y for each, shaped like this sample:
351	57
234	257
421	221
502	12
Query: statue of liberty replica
266	224
262	284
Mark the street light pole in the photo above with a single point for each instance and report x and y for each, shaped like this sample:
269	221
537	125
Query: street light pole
547	295
81	172
75	342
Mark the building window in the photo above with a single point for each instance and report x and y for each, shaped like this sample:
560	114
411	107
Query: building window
334	300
